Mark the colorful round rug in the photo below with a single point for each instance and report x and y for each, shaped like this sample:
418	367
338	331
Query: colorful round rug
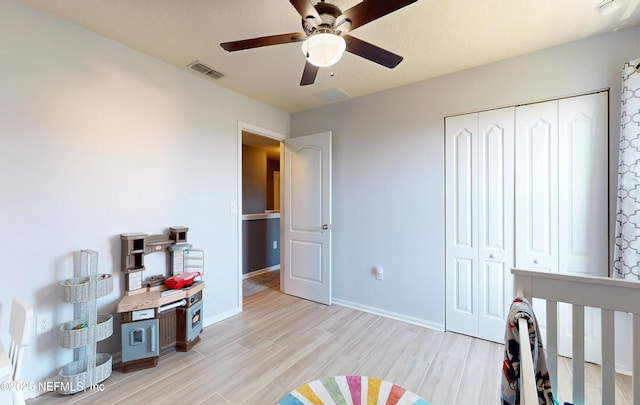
351	390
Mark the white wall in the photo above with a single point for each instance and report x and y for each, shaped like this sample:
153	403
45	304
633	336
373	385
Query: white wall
98	140
388	166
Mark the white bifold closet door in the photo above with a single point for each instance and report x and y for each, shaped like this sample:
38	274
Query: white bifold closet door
537	186
525	187
479	222
561	199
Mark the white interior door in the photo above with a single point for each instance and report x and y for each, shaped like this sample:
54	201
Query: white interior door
461	240
537	186
583	207
562	200
583	184
479	222
536	197
495	221
306	212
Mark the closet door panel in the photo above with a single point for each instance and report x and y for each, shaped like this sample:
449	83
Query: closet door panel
583	184
461	224
495	220
495	188
464	290
536	186
583	207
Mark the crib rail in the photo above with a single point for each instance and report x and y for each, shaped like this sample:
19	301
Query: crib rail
581	291
528	393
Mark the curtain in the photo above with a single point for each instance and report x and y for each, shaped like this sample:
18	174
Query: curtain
626	256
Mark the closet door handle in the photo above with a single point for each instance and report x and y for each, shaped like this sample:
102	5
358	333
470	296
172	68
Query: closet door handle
535	261
491	256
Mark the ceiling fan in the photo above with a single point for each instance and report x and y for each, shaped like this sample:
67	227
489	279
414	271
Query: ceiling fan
325	35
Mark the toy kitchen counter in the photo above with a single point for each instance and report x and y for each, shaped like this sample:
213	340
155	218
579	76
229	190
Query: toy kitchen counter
156	320
156	299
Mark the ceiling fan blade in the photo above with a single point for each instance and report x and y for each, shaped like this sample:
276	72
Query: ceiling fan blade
369	10
309	74
263	41
305	9
371	52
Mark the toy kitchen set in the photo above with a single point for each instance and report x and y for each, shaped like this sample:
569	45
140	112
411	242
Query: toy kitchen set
159	314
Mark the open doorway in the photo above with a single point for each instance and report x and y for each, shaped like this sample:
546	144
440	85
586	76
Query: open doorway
260	216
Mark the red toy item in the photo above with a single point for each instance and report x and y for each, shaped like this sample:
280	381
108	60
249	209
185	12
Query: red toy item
182	280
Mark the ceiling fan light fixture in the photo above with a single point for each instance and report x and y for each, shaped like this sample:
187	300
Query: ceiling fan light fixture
323	49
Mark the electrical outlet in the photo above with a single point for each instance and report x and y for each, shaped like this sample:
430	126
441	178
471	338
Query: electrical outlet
275	244
379	273
43	323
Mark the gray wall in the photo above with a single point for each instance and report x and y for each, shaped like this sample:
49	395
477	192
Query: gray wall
272	166
254	179
388	166
257	244
258	235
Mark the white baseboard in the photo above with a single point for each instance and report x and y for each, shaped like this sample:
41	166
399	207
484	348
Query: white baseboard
623	369
220	317
388	314
261	271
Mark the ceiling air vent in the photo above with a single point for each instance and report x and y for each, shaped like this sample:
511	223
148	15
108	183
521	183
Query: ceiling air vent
332	95
205	70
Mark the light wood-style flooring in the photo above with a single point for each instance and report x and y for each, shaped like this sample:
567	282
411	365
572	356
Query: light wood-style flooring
280	342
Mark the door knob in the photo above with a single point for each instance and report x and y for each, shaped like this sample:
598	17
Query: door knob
325	226
535	261
491	255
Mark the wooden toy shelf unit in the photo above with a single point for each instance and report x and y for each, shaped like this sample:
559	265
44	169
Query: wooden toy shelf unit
156	320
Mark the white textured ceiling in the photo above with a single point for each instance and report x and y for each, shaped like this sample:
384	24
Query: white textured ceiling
435	37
